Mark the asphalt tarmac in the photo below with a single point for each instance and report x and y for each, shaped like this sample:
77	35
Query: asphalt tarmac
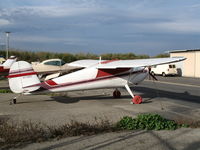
172	97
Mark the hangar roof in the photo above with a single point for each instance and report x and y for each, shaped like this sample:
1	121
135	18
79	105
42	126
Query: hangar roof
180	51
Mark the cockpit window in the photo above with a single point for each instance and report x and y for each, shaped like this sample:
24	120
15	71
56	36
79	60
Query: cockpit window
62	62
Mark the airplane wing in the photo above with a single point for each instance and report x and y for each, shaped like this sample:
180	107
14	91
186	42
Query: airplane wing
112	64
83	63
138	62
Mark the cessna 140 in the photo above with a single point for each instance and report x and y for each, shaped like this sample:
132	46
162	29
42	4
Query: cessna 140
96	74
4	68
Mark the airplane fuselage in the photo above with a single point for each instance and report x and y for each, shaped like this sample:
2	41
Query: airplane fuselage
93	78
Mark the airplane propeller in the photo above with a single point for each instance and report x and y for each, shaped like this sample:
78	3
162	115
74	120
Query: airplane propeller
152	74
154	78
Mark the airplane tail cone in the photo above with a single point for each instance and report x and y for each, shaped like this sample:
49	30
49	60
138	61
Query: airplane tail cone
21	77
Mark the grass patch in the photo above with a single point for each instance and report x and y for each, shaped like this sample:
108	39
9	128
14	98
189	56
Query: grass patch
148	122
5	91
3	78
19	134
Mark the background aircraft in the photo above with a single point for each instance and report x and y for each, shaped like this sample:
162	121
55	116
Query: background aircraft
52	68
96	74
4	68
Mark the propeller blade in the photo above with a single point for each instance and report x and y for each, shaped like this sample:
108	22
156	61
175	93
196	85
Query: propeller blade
153	76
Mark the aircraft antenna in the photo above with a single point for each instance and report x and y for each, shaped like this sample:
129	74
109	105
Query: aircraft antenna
99	59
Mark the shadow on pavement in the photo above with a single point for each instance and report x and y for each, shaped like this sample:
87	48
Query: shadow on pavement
152	93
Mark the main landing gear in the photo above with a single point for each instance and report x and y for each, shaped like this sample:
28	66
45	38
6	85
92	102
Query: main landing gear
136	99
116	94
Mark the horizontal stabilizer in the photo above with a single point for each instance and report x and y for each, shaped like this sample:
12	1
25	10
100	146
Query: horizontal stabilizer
51	76
21	75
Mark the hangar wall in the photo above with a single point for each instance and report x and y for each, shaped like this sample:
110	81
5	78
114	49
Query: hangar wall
191	66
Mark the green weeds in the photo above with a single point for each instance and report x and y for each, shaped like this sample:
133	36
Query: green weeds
5	91
148	122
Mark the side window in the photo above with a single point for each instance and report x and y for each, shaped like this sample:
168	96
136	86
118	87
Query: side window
170	66
48	63
54	63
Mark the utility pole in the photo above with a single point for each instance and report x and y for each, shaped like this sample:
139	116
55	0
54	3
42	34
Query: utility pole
7	43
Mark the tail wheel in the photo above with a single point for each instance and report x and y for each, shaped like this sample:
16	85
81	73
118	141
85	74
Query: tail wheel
137	99
116	94
14	101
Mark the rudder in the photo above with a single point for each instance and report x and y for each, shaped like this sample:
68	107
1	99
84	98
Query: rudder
22	77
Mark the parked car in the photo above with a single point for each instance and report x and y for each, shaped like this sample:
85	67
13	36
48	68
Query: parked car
164	70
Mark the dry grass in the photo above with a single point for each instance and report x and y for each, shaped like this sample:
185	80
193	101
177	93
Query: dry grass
188	122
15	135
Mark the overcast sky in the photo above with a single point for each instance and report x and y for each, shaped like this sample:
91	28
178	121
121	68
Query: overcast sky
101	26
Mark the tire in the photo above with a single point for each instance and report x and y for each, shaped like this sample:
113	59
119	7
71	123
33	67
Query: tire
14	101
137	99
116	94
163	74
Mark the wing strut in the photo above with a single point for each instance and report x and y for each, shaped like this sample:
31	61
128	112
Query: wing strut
129	90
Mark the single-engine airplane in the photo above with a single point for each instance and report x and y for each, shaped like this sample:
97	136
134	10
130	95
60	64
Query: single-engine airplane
97	74
5	67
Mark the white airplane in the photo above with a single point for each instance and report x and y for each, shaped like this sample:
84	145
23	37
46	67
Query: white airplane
97	74
4	68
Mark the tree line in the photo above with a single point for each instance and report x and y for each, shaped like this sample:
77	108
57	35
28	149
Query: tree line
31	56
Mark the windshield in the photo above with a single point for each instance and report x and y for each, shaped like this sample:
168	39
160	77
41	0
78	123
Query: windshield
172	66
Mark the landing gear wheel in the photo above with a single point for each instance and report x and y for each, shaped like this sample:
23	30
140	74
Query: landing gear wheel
116	94
137	99
163	74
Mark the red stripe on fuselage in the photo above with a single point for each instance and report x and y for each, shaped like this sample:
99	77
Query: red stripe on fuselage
108	61
110	72
21	75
